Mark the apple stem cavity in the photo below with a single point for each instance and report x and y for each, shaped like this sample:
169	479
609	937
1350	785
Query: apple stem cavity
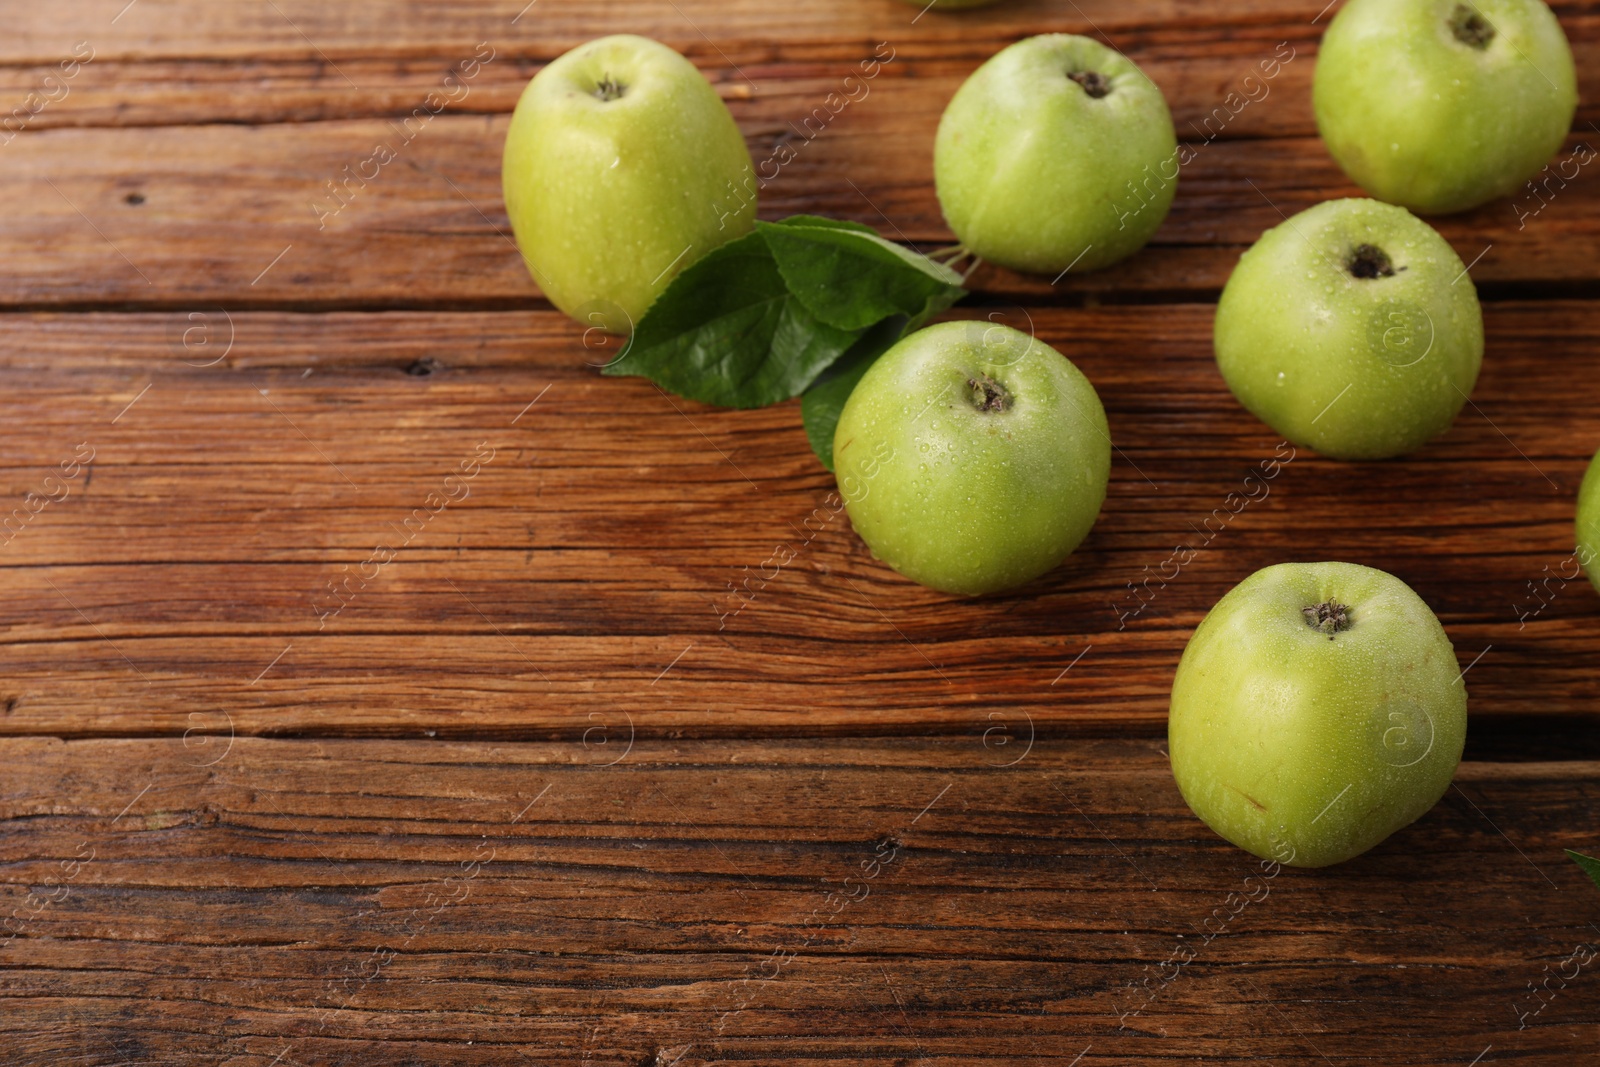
1329	617
1471	28
1370	261
988	394
1094	83
608	89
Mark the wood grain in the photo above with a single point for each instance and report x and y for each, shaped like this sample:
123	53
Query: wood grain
243	215
364	902
240	30
577	774
617	531
767	81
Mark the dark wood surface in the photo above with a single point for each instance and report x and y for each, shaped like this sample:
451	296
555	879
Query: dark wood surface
794	901
237	828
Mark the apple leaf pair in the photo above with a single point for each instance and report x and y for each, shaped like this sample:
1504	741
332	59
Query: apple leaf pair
799	306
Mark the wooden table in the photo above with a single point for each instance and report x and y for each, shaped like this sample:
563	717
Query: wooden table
579	776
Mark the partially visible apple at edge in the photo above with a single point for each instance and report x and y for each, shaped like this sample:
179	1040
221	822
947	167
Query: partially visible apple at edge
1589	522
1441	106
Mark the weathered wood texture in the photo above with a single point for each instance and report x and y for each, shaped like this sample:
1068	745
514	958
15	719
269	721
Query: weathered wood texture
617	531
786	902
138	76
198	207
578	774
242	216
240	30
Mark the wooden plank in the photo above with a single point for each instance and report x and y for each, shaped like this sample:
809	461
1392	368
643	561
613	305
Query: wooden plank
246	215
241	216
766	83
769	81
607	810
604	541
880	902
239	29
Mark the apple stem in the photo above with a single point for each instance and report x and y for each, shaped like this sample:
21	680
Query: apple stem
1471	28
1330	617
988	394
1094	83
1370	261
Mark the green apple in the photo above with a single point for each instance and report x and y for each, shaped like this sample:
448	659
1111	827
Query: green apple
1442	106
1353	329
1057	153
972	457
622	166
1589	522
1317	709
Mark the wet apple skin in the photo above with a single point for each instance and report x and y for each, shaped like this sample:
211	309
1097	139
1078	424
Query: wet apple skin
1419	118
966	500
1356	368
1312	750
610	199
1036	174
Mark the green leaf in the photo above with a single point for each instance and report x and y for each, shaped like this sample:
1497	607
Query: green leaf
851	278
1588	864
822	403
760	319
825	223
726	331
